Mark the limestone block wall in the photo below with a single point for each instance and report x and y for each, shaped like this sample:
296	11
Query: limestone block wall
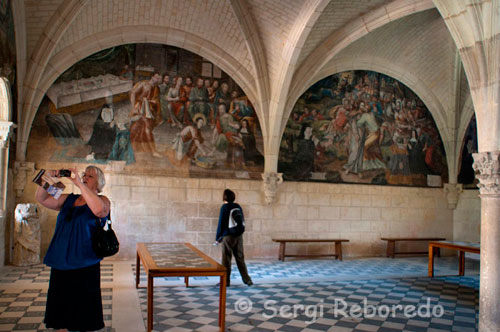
467	217
155	208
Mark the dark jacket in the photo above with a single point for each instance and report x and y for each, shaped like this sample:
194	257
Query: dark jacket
225	209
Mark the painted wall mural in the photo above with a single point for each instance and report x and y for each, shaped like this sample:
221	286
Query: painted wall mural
149	108
466	174
8	46
362	127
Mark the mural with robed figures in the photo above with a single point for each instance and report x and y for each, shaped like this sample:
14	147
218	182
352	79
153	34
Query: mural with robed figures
362	127
149	108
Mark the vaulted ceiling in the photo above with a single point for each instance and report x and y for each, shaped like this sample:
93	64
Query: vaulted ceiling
274	49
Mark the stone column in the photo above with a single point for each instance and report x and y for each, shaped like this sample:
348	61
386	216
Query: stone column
487	167
5	133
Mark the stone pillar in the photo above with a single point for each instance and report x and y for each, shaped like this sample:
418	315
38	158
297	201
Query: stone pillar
487	167
5	133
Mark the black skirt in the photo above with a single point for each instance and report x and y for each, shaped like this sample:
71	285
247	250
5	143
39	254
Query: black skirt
74	299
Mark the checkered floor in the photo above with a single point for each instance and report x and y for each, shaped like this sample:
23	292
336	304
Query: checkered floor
319	270
23	293
296	295
452	304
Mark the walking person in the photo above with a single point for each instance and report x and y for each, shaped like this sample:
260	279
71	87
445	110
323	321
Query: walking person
74	300
232	244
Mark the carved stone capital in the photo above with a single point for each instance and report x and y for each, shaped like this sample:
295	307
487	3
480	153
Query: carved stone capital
270	186
487	168
21	170
453	191
6	130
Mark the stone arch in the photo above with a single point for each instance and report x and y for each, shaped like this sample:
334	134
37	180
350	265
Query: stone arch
411	81
137	34
342	38
5	100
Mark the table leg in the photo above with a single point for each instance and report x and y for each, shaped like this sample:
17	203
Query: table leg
461	263
186	281
391	248
137	271
338	250
150	302
222	302
282	251
431	261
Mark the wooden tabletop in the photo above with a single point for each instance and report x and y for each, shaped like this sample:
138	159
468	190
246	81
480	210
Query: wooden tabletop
175	257
310	240
412	238
457	245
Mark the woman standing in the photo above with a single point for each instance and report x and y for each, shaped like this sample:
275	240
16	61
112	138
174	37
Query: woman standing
231	244
74	297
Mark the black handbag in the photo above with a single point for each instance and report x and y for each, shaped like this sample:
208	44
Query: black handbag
104	242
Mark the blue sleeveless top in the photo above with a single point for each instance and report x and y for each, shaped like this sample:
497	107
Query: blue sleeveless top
71	245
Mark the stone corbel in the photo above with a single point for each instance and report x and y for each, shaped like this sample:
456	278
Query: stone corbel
487	168
270	186
21	171
453	191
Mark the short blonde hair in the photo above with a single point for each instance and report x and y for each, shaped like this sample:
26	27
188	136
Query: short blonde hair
101	181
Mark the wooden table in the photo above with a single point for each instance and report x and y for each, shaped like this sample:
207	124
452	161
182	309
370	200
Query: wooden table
391	245
462	247
169	259
338	247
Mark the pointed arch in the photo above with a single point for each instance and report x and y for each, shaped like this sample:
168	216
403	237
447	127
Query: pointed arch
136	34
400	73
306	75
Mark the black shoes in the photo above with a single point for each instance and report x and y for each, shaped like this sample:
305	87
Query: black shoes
250	283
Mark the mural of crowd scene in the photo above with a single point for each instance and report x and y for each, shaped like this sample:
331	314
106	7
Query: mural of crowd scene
466	174
362	127
7	45
149	108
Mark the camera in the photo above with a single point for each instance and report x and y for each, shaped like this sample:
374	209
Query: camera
66	173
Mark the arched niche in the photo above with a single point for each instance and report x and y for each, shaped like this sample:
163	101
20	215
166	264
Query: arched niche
362	126
138	108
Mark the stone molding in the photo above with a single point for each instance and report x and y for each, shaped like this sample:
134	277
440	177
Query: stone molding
272	180
453	191
6	130
487	168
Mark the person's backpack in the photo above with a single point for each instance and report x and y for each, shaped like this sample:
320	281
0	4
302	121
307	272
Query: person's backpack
236	224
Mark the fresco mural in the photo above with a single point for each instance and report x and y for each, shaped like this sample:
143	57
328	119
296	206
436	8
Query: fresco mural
466	174
362	127
8	46
149	108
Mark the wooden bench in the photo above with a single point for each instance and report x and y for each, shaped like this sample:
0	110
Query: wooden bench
338	247
391	245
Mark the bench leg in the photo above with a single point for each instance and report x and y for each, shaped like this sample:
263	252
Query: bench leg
391	248
338	250
281	256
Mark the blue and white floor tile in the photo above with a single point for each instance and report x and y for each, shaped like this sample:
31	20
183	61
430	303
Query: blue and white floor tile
310	293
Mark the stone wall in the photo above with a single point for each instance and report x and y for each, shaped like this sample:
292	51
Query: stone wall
467	217
152	208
